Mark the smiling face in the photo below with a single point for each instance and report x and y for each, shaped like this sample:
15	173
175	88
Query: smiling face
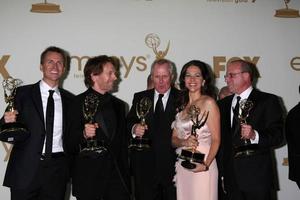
193	79
52	68
104	82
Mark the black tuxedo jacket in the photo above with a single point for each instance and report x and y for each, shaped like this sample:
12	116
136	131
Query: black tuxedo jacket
25	156
293	137
90	175
157	162
254	172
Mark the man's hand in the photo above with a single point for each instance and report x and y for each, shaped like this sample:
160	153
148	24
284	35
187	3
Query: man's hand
90	130
139	130
10	117
247	132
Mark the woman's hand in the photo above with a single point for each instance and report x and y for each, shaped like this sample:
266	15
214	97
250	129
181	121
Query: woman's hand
191	142
200	167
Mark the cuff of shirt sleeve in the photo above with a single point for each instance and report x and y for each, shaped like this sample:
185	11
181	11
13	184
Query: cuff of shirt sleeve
132	132
255	141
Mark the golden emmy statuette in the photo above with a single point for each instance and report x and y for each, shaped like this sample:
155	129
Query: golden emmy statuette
13	131
246	148
142	109
153	41
287	12
90	107
45	8
191	156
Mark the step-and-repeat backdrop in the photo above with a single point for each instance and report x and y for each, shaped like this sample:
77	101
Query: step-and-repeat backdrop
139	31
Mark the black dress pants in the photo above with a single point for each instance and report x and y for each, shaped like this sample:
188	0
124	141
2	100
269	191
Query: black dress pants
48	184
251	195
114	190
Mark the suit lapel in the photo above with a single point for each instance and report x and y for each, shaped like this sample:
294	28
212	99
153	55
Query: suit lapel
37	101
64	105
254	98
170	102
150	115
116	110
228	110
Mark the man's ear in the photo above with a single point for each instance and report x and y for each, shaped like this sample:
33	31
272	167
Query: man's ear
93	78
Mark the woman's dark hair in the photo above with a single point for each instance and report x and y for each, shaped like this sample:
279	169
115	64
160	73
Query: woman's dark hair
207	88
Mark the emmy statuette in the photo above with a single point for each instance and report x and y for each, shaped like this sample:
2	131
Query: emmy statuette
90	107
287	12
142	109
246	148
13	131
191	156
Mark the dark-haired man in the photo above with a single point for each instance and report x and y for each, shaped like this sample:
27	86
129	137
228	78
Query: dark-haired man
100	170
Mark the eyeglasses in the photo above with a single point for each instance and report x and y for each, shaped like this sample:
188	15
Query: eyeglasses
232	75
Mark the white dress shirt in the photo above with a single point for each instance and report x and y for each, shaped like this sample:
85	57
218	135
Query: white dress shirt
164	99
244	95
57	145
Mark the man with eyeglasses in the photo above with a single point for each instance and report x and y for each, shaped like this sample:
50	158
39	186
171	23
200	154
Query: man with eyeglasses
245	157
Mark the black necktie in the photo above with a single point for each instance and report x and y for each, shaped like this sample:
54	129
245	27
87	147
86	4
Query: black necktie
235	120
49	124
159	107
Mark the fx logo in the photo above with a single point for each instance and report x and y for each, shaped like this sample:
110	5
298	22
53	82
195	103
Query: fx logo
220	62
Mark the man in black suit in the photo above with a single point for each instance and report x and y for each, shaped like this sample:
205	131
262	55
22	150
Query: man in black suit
100	172
248	173
32	172
153	168
293	136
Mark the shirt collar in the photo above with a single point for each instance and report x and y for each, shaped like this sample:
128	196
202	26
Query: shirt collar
166	94
45	87
245	94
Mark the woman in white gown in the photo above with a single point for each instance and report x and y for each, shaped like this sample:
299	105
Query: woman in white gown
202	181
